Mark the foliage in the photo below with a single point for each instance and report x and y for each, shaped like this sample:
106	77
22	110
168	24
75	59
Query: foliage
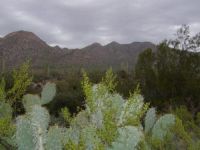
170	76
106	117
108	121
189	123
6	127
66	115
69	94
168	132
184	41
115	123
110	80
21	80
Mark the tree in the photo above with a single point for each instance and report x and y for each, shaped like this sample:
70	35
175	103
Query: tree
145	73
171	75
184	41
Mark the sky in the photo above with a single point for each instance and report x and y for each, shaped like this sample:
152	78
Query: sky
77	23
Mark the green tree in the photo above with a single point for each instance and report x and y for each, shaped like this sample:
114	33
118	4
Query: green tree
145	73
170	76
184	41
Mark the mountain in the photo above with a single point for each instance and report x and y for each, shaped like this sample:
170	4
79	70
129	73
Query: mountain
19	46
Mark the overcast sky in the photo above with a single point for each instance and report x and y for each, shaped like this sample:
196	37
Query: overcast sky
77	23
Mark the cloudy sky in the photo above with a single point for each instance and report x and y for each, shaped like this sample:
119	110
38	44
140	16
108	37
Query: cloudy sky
77	23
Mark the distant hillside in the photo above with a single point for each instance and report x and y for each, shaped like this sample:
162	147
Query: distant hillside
19	46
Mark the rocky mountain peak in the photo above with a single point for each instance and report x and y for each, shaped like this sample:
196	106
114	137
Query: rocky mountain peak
23	37
93	46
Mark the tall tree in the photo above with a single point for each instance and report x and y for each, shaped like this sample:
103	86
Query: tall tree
144	72
184	40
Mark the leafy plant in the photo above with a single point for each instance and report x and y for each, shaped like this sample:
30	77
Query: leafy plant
108	122
6	126
21	80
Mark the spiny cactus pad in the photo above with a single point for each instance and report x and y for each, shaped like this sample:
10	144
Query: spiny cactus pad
48	93
128	139
30	100
150	119
54	139
24	134
162	126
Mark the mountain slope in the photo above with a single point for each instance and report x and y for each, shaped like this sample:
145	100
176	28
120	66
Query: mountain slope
19	46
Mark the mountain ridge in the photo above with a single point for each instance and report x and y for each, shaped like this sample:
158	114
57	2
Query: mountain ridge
16	47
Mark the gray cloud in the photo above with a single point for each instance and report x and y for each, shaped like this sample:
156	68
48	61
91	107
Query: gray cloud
77	23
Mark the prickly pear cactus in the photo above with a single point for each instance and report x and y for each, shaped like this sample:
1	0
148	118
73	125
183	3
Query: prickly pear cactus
128	139
32	128
24	134
158	129
48	93
162	126
30	100
109	121
150	119
54	138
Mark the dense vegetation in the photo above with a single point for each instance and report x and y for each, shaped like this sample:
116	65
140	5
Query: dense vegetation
156	106
108	121
171	76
